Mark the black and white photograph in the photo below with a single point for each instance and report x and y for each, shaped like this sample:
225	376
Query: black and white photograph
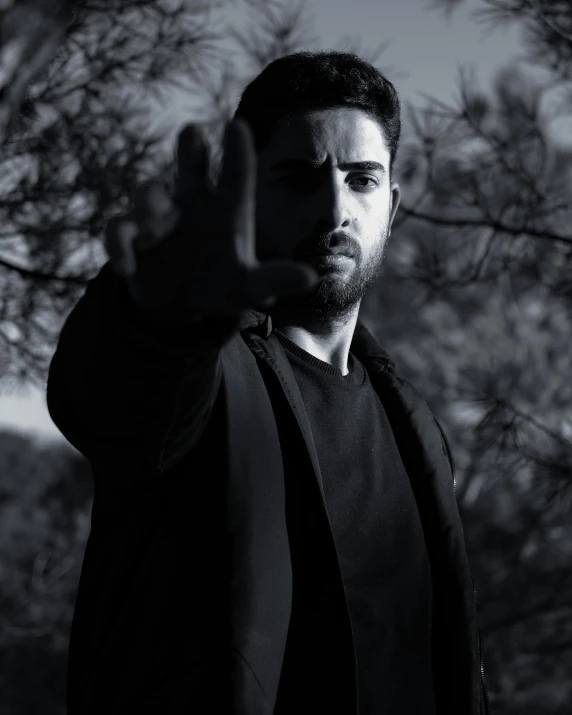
285	357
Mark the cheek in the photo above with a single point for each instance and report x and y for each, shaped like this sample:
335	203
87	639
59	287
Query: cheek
376	217
372	227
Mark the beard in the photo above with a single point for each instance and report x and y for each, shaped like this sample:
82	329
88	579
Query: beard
337	293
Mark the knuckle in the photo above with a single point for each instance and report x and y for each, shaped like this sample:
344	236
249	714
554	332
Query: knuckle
150	200
141	194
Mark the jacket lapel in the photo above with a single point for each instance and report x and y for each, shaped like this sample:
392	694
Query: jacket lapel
424	455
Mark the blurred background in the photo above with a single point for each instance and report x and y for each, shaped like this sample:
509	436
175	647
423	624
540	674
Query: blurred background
474	302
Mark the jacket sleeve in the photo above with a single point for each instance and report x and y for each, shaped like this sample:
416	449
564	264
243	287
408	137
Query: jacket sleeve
128	394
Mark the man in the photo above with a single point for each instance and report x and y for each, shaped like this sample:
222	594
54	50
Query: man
274	525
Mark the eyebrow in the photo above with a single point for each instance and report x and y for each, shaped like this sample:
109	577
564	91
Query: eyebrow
310	164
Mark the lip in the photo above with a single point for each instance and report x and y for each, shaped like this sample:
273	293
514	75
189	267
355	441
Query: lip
330	253
327	258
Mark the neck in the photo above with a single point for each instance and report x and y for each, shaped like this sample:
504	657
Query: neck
328	340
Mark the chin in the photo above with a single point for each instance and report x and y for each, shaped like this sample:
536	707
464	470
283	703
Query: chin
327	301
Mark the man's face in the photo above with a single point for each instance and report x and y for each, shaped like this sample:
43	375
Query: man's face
323	184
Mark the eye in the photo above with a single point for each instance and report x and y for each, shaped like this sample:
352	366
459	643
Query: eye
366	178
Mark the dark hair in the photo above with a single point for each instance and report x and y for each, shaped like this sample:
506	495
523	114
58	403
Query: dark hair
306	81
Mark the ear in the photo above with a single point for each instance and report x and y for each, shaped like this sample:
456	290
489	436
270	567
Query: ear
395	199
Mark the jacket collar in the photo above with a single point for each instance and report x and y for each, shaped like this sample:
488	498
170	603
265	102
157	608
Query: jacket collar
363	345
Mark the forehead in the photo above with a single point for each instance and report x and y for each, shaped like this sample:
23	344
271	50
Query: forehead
341	134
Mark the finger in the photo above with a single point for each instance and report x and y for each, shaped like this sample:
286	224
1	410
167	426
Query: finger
120	235
237	187
273	280
192	160
155	214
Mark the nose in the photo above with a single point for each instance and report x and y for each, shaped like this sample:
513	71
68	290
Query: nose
332	209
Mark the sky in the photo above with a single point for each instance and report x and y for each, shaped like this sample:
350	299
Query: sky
423	51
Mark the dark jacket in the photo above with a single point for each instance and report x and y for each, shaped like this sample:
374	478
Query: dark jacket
187	572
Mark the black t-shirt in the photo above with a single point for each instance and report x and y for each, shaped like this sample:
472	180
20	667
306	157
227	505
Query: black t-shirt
382	553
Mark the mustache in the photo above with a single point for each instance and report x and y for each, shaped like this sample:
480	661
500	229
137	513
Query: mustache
340	242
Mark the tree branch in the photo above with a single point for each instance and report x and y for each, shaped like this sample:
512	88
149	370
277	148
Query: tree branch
40	276
461	223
